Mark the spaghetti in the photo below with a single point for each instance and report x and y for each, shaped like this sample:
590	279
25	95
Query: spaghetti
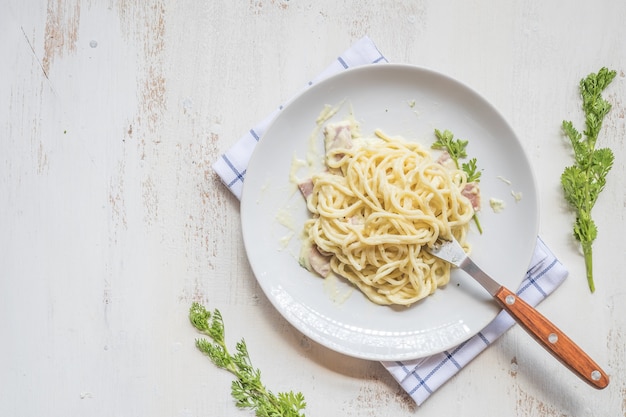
380	202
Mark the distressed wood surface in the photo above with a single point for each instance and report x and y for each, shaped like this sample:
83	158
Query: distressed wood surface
112	221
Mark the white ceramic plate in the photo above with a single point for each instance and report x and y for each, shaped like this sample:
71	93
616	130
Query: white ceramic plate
411	102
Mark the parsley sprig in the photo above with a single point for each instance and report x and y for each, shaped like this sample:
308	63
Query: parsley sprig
247	389
583	181
456	149
470	168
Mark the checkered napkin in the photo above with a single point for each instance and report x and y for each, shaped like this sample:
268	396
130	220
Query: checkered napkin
420	377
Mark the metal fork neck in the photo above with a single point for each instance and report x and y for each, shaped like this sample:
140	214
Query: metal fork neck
479	275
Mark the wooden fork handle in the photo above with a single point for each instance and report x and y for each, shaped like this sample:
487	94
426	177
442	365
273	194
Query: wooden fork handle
553	339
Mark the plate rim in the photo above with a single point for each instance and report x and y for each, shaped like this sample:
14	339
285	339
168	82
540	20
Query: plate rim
246	194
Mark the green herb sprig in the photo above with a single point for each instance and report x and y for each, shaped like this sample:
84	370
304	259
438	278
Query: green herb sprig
247	389
456	148
583	181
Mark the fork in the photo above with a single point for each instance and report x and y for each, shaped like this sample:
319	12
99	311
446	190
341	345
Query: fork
539	327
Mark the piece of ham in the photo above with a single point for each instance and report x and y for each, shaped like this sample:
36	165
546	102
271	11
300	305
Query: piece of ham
472	192
318	262
306	188
338	136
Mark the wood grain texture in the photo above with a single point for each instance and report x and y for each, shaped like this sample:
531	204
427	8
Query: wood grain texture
553	339
112	221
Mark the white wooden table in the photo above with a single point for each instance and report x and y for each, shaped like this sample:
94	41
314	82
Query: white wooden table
112	221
